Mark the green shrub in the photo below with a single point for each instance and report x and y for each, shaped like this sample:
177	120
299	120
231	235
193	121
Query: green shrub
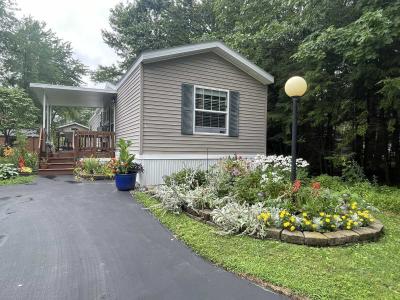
193	178
352	172
331	182
247	188
91	165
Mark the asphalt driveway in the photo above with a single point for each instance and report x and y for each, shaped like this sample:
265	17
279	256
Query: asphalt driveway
65	240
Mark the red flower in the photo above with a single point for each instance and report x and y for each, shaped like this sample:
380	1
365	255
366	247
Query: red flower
296	186
316	186
21	162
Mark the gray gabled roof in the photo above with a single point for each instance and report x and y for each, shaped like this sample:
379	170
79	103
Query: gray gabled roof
216	47
73	124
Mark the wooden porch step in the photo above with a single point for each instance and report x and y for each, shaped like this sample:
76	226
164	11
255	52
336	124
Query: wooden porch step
60	160
59	165
66	154
60	171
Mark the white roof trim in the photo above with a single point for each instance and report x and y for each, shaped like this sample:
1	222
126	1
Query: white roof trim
73	123
71	88
216	47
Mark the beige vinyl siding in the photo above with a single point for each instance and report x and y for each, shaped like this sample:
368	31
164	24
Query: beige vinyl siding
95	120
128	110
162	106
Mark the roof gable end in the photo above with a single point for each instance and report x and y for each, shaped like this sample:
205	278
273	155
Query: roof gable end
188	50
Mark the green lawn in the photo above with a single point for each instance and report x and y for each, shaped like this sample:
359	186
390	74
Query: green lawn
18	180
359	271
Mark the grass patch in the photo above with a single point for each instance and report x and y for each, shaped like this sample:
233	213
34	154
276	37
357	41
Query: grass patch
383	197
358	271
18	180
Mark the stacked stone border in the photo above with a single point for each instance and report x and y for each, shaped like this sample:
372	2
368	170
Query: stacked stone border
309	238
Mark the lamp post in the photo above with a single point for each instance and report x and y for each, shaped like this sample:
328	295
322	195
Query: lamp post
295	87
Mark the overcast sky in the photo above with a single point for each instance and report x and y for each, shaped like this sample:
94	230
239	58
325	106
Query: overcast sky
79	22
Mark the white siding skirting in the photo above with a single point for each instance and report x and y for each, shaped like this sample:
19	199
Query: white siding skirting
156	169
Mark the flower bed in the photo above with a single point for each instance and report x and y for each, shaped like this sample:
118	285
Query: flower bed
94	169
255	197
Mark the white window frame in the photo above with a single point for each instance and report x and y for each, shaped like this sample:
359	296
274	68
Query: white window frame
210	111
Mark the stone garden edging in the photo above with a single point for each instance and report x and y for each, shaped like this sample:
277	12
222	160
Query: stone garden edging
309	238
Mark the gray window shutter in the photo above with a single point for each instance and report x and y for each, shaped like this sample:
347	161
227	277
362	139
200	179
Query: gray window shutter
234	98
187	109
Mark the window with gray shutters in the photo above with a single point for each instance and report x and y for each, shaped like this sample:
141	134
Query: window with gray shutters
211	110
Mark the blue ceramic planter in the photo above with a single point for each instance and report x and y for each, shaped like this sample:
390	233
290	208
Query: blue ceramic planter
125	182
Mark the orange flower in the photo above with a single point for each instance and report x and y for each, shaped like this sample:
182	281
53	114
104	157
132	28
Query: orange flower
296	186
316	186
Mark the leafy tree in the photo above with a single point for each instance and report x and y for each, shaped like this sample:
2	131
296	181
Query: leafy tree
143	25
107	74
353	72
7	27
17	111
34	53
37	55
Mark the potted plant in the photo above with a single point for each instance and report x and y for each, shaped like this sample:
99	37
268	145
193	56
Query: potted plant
125	168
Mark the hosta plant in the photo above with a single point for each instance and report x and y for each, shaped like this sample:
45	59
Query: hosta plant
7	171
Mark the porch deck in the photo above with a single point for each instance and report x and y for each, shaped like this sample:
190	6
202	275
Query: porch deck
100	144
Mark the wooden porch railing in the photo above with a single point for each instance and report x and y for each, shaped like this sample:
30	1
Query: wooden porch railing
96	143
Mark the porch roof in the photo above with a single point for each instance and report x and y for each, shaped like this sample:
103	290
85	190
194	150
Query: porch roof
61	95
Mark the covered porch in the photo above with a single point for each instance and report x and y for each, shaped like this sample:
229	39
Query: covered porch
81	141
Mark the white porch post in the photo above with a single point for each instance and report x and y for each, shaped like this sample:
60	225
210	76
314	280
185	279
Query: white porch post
44	111
47	121
115	114
50	112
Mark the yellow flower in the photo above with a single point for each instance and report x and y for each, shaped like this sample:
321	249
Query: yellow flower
8	152
354	205
314	226
308	222
259	217
286	224
344	217
355	223
333	226
304	214
292	219
322	214
327	220
348	227
292	228
372	219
